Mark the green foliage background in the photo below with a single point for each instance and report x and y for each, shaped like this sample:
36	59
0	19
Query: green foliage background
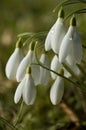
18	16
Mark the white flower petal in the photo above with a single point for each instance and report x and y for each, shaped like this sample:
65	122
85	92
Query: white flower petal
55	66
44	59
71	58
23	65
66	73
73	67
77	47
48	39
48	42
71	48
13	63
29	92
66	46
19	91
76	70
35	73
57	35
44	74
57	91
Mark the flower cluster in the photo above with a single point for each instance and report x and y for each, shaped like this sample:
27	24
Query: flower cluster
17	68
67	48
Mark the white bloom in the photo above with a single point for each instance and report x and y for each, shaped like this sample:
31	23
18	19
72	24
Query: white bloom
56	34
55	66
28	59
48	39
19	91
13	63
26	89
57	91
44	73
71	48
29	91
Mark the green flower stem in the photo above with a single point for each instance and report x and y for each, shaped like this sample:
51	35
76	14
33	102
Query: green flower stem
27	40
71	72
81	69
75	76
39	63
59	5
77	83
7	123
18	43
65	3
19	114
78	11
31	35
28	34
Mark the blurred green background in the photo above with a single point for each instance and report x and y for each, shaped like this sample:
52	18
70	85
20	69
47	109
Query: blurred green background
18	16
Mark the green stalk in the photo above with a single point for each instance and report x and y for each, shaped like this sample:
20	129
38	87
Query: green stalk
31	34
78	11
65	3
39	63
19	114
77	83
70	71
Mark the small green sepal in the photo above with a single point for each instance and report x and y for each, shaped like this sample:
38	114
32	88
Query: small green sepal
32	46
18	43
28	70
61	13
73	21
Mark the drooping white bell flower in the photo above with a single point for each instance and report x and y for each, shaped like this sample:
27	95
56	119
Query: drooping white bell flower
28	59
57	90
56	34
14	61
44	73
26	89
19	91
71	48
23	65
48	39
55	66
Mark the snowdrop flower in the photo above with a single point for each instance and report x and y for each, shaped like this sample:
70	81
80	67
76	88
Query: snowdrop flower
48	39
71	48
44	73
55	66
28	59
57	90
26	89
14	61
56	34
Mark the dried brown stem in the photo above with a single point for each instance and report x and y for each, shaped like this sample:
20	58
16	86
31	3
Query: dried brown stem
73	117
